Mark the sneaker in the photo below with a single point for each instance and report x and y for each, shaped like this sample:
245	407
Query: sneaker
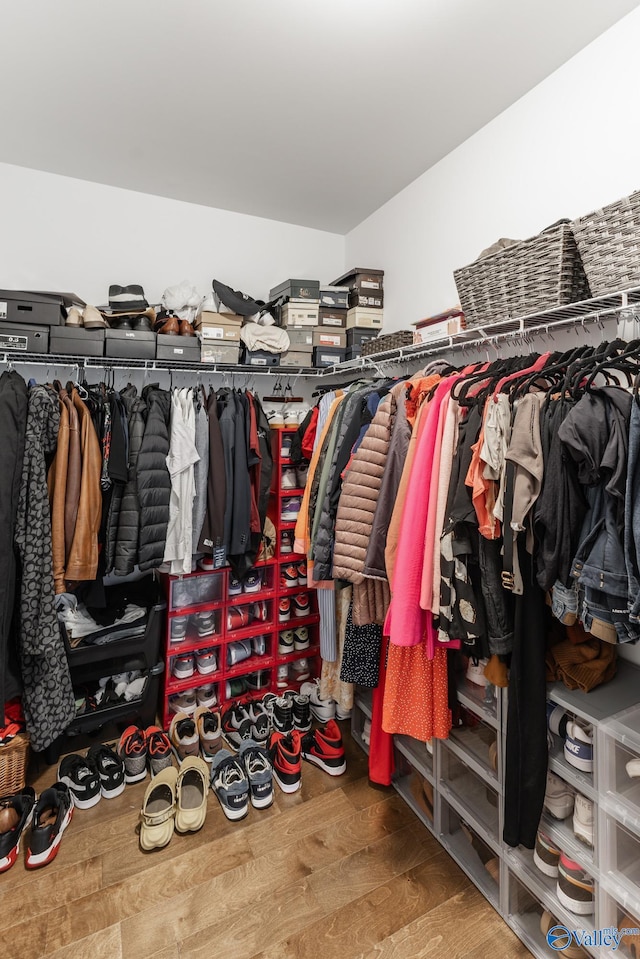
236	725
302	573
286	541
282	715
301	638
290	509
206	661
258	680
110	769
238	617
284	610
546	855
260	612
573	951
583	819
475	672
282	677
16	812
301	713
288	480
291	418
300	669
158	749
322	710
284	753
366	732
235	586
230	784
82	780
184	702
285	447
302	473
285	642
205	624
342	713
207	564
276	420
51	816
578	746
575	887
288	577
301	605
206	696
558	798
132	749
323	747
183	667
184	736
238	652
557	720
261	730
209	732
178	629
253	583
235	687
259	772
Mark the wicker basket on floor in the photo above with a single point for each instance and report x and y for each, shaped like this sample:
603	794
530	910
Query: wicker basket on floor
609	244
537	274
14	758
390	341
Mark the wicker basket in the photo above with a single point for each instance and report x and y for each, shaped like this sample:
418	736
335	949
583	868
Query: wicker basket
390	341
609	244
13	764
527	277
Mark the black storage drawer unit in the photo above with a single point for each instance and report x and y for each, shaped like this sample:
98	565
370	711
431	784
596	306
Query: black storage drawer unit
121	655
24	339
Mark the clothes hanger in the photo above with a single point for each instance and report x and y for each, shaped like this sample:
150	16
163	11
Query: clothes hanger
619	360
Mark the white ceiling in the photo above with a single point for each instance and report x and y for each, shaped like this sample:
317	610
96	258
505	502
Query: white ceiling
314	112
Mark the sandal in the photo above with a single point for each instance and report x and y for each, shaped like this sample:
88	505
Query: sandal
158	810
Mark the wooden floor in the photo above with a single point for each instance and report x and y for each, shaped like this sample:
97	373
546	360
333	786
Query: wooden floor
336	871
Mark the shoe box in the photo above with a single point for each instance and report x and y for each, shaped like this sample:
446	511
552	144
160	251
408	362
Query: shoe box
330	337
299	315
259	358
219	326
356	337
76	341
296	290
217	351
301	340
332	317
130	344
298	358
328	355
364	319
177	348
334	297
22	338
38	309
362	280
352	353
367	300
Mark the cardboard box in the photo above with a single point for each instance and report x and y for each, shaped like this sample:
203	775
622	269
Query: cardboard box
301	339
328	356
37	309
335	297
300	316
356	337
186	348
207	318
439	331
298	358
21	338
217	351
352	353
369	301
259	358
333	317
226	333
130	344
364	319
330	337
361	279
76	341
300	289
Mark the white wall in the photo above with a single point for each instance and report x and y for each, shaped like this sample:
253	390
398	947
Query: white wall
567	147
58	233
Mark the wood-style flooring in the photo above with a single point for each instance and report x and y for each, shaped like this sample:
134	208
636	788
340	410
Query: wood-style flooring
336	871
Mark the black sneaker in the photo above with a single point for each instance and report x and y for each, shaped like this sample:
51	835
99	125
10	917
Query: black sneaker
110	769
301	713
282	718
82	779
236	725
15	815
51	816
257	766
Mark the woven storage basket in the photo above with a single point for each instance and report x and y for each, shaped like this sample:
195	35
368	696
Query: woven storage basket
609	244
390	341
533	275
13	764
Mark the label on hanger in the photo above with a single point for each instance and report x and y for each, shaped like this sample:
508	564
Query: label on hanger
11	342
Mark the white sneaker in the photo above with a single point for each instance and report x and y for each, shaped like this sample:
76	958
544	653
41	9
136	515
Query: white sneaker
276	420
578	746
289	479
475	674
207	696
291	418
583	819
285	642
282	679
559	797
300	669
323	709
366	732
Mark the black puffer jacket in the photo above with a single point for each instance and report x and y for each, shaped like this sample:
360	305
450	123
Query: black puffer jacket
124	516
152	478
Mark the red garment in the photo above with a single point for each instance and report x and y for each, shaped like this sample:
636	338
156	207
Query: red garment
309	437
381	764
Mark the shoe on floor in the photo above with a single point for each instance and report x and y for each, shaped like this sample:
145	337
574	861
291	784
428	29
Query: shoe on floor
301	713
259	772
578	746
51	816
546	855
157	817
322	710
184	736
229	783
282	714
159	750
110	768
236	725
132	749
209	732
559	797
192	787
575	887
572	951
583	819
324	748
16	812
284	753
82	779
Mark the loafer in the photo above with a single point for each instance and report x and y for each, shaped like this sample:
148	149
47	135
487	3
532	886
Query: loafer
171	327
93	319
185	328
191	790
157	817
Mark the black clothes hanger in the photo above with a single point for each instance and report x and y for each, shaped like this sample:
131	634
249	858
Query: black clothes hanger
624	361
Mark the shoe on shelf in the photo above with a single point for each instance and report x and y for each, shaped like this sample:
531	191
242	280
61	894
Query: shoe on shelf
546	855
633	770
205	623
184	736
366	732
238	617
282	677
252	583
184	702
132	749
259	772
475	672
286	541
82	779
559	798
16	812
302	573
302	472
322	710
183	667
51	816
301	638
301	605
288	577
284	610
259	645
288	479
583	819
207	564
229	783
284	753
578	746
235	687
192	788
207	696
575	887
159	749
324	748
573	951
239	651
285	447
235	586
300	670
557	719
110	768
206	661
291	418
290	509
301	713
257	680
285	642
260	612
282	715
157	817
276	420
179	626
209	732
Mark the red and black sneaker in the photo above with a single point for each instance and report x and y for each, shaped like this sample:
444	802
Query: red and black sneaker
284	610
323	747
284	753
288	577
15	815
51	816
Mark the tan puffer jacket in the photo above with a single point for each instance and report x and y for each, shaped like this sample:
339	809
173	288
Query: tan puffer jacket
370	602
359	496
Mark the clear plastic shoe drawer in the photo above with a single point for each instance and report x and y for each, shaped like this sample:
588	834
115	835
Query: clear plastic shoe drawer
619	764
472	796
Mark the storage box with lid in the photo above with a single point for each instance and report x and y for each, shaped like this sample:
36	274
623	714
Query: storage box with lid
618	756
332	317
217	351
219	326
259	358
365	319
296	290
362	279
328	356
186	348
130	344
357	337
330	337
22	338
368	300
38	309
76	341
440	326
300	314
298	358
301	339
334	297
